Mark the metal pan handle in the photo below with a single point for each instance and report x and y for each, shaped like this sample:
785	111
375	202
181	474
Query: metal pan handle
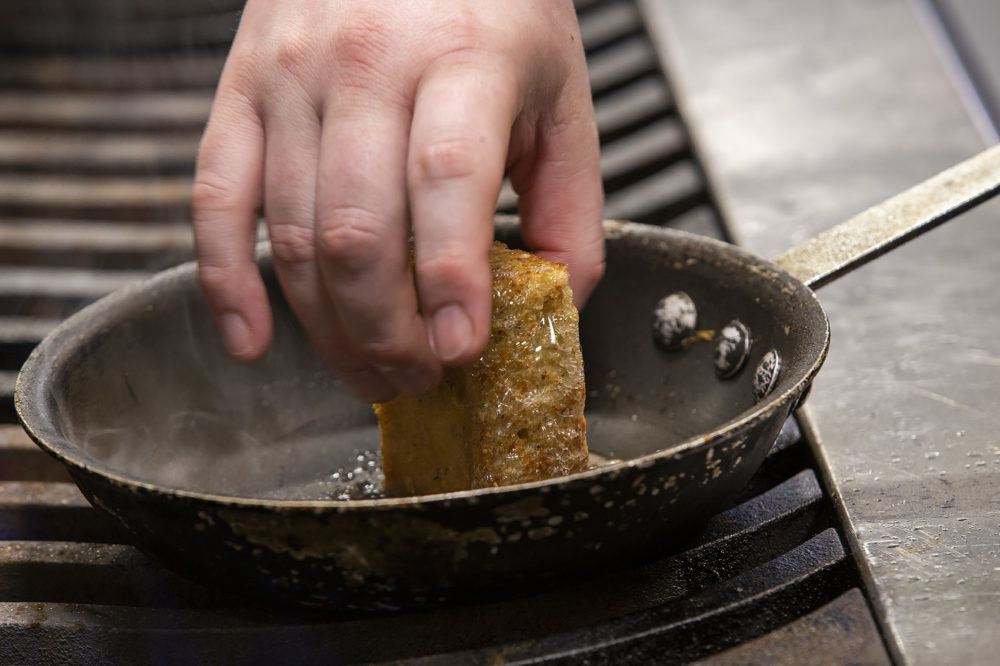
874	232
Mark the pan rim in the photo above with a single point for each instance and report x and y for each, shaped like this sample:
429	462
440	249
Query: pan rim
33	408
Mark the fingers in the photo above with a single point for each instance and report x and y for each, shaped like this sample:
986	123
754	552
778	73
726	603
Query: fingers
561	199
290	189
458	142
225	201
403	126
362	237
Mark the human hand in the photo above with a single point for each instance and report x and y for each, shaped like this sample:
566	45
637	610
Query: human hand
356	124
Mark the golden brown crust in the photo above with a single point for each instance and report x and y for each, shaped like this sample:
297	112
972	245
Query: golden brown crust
514	415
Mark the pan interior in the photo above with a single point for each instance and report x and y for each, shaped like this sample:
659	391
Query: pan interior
139	385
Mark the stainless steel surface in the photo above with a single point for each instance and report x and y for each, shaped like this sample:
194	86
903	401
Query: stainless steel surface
839	633
972	25
872	233
805	113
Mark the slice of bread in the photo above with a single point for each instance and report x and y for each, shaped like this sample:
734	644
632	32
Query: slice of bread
514	415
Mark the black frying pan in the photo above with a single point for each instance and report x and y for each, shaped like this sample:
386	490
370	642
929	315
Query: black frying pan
226	471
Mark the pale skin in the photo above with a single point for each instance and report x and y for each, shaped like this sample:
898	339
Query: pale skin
356	124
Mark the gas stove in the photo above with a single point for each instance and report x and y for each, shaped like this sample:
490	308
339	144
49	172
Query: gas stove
876	511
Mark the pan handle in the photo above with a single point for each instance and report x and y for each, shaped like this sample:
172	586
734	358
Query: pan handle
874	232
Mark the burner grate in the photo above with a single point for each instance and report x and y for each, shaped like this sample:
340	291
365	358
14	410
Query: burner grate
97	143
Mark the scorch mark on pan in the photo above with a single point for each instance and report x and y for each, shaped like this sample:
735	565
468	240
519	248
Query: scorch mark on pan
530	507
360	550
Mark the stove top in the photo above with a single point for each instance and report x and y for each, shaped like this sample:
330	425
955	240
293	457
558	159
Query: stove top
841	548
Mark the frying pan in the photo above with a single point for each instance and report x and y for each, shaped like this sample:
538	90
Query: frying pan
230	472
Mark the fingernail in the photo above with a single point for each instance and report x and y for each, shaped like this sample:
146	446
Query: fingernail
451	333
235	334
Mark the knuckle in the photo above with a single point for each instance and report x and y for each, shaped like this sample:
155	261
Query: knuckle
443	270
390	350
350	236
293	53
214	279
291	243
243	71
361	46
446	159
380	350
463	36
210	193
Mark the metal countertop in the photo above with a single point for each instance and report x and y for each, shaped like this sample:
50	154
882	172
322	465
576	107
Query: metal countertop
806	113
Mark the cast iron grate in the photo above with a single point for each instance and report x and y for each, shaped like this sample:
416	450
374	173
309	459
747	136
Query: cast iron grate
98	132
